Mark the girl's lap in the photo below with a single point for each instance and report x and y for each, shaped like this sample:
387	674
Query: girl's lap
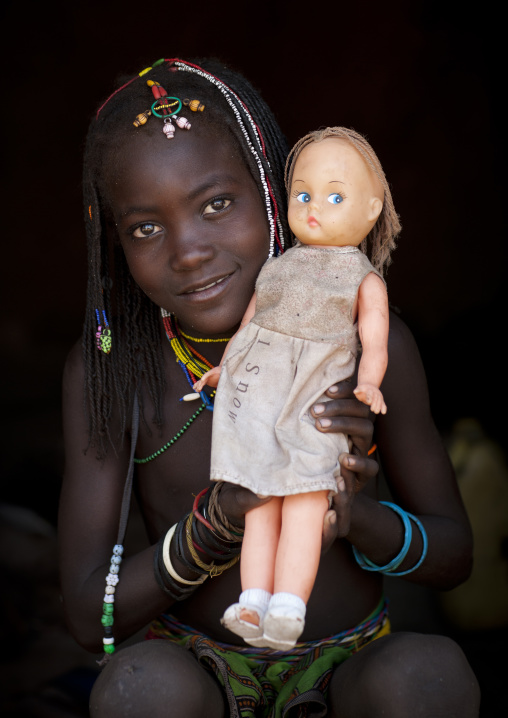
400	674
405	674
155	678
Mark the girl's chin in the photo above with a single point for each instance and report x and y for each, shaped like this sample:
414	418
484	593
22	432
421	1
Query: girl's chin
209	324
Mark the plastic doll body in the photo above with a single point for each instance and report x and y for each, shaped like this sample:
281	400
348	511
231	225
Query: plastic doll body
335	200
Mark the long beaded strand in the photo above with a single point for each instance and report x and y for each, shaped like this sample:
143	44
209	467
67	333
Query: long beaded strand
193	365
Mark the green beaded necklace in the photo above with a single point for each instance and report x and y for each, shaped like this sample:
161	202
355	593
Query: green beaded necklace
193	366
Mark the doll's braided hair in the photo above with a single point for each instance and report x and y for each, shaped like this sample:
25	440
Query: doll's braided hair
380	241
232	108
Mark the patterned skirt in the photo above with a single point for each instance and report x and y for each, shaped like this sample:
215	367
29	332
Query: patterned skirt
263	683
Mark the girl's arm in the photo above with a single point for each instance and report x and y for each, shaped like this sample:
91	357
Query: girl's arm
212	377
373	325
89	516
416	466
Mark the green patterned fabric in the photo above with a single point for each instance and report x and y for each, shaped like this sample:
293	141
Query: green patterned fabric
262	683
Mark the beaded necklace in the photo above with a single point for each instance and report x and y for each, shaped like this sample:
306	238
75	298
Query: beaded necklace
193	365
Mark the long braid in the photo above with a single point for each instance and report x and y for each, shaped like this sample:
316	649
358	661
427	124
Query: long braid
136	356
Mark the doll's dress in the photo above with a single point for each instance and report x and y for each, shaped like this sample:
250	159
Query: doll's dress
301	341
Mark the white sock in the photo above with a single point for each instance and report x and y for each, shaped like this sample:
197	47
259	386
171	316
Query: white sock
289	600
256	598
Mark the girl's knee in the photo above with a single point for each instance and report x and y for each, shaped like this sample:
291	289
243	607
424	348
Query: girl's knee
155	678
408	674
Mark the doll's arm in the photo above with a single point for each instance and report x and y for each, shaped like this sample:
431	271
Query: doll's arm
212	377
373	324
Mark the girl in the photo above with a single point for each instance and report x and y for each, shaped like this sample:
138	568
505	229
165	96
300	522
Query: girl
178	229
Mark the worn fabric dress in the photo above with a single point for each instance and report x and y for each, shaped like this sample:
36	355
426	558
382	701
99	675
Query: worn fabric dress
301	341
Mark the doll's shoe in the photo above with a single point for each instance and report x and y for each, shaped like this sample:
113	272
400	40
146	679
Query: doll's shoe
282	627
232	621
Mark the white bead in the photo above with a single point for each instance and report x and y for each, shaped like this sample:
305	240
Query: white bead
116	559
108	641
108	598
190	397
112	579
114	568
110	589
118	549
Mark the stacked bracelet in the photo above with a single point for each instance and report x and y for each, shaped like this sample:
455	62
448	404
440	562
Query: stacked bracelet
191	536
390	569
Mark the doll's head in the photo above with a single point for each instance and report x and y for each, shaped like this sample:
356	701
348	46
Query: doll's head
338	194
130	174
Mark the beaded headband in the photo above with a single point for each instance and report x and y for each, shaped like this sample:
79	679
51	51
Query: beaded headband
165	108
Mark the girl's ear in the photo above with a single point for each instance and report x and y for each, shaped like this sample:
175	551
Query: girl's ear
375	207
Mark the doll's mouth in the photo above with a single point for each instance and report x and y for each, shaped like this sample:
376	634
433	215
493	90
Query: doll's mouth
312	221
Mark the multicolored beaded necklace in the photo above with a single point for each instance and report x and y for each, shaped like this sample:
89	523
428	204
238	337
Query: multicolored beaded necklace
193	365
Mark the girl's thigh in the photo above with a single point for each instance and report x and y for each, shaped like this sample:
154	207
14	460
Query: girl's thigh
405	674
158	679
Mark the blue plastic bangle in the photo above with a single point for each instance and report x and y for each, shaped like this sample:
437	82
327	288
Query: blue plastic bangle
424	550
368	565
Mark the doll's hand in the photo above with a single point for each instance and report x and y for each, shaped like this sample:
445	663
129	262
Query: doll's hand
211	378
372	396
235	501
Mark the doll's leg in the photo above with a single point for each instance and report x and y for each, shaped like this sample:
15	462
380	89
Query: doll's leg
300	543
260	543
295	568
257	566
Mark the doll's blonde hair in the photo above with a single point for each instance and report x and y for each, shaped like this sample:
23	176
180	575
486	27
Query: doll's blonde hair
381	238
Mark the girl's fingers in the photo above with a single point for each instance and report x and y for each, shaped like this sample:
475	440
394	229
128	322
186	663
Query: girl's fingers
359	469
340	407
236	501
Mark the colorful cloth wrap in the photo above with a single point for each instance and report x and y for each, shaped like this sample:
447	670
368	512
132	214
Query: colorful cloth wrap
263	683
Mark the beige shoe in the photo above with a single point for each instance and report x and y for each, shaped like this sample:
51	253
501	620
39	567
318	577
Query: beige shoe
232	621
282	627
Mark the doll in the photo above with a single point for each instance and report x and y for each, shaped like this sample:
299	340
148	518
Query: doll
297	338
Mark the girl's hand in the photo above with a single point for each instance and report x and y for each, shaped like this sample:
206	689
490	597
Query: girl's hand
211	378
344	413
235	501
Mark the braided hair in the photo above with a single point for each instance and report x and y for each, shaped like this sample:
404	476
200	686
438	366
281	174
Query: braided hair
380	241
234	108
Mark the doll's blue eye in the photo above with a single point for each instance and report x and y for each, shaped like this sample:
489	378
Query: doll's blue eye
335	198
303	197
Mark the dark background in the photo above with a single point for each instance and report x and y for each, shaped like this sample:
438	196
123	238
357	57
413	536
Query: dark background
425	81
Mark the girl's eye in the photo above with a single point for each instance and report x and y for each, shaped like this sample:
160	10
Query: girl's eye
303	197
146	230
217	205
335	198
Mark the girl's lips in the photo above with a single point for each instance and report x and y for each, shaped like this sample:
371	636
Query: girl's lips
209	290
312	221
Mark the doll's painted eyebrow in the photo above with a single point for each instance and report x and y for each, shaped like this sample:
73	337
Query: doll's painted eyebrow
330	182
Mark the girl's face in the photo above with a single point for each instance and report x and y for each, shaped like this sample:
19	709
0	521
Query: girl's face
192	225
335	199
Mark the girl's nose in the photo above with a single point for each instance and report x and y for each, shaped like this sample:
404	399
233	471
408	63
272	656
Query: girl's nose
189	250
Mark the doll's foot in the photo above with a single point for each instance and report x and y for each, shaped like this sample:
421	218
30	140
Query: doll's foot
245	621
282	628
284	621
